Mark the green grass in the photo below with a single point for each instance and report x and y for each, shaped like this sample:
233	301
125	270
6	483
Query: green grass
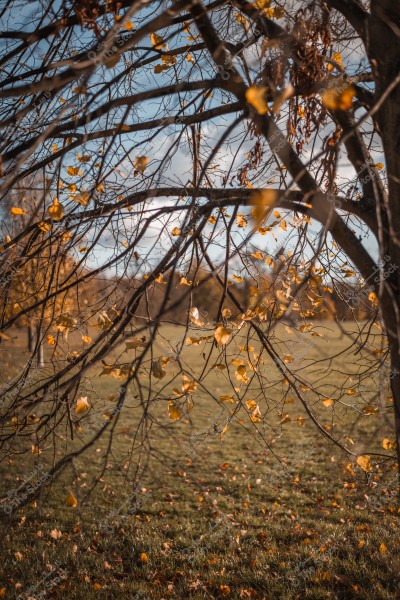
222	517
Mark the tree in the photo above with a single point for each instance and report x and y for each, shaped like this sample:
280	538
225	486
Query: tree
181	136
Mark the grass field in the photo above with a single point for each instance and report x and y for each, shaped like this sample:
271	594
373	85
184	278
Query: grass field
262	510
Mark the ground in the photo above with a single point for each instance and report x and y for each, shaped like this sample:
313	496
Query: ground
261	510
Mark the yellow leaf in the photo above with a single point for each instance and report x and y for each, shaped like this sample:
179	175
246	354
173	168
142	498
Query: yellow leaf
156	41
301	112
140	163
17	211
285	418
258	255
263	202
84	158
241	221
254	409
242	20
338	98
51	340
184	281
222	335
227	398
144	558
383	548
73	171
370	410
389	444
195	317
226	313
87	339
128	25
373	298
288	358
43	226
283	225
379	166
188	386
237	278
82	405
176	231
97	586
82	199
337	57
327	402
193	341
364	461
255	95
241	374
174	410
71	501
56	210
160	68
168	60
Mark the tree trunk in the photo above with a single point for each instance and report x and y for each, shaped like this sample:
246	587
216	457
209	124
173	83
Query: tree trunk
39	349
31	337
383	50
35	345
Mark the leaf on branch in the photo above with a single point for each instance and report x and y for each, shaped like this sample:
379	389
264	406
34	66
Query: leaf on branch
327	402
157	368
188	385
241	374
255	95
364	461
73	171
370	410
17	211
140	163
338	98
194	316
227	398
157	41
174	410
389	444
237	278
222	335
82	198
337	57
82	405
263	202
56	210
